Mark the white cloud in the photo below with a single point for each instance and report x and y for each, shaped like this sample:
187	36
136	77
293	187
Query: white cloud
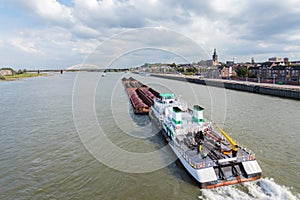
294	5
231	7
144	41
293	37
25	46
83	31
50	10
236	28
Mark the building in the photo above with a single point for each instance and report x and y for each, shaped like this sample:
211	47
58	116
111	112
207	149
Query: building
227	72
209	63
215	61
276	72
265	70
275	59
295	73
5	72
253	71
230	63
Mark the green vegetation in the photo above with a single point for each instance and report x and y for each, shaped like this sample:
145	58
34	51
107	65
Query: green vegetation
18	76
173	65
242	72
180	69
188	73
186	70
24	71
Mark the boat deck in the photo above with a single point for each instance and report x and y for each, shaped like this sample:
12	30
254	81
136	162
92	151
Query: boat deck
211	153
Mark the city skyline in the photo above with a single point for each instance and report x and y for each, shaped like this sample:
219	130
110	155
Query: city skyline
59	34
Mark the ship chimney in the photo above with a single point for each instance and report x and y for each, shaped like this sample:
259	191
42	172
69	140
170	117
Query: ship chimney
198	114
176	117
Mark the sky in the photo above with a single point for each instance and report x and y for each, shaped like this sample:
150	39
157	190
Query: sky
54	34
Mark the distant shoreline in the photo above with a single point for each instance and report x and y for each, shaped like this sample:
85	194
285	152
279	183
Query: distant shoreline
21	76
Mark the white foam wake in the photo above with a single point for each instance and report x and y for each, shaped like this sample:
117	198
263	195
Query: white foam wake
264	188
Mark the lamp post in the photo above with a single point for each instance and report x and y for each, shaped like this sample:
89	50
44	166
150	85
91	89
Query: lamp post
258	75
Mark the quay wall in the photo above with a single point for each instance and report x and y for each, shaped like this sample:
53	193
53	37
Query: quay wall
240	86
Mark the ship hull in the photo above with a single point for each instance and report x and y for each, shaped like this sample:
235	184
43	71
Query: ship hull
207	178
196	173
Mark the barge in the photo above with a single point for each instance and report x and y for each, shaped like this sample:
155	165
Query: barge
141	96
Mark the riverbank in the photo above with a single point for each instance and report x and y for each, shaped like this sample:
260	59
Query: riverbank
20	76
285	91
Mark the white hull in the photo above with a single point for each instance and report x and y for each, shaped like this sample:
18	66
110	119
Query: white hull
204	175
210	168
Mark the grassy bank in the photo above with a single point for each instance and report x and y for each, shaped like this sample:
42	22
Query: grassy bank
20	76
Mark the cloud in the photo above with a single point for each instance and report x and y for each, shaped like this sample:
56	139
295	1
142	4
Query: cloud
108	14
25	46
64	29
49	11
82	31
135	42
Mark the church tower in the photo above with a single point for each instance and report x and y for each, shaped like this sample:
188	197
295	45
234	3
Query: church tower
215	58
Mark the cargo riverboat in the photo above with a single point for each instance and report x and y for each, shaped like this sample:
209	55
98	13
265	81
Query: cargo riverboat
204	149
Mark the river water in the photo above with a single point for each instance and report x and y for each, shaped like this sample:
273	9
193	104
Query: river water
74	136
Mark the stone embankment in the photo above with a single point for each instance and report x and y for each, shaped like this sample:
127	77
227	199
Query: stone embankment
285	91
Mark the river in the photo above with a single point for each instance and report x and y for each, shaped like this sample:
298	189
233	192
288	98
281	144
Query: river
74	136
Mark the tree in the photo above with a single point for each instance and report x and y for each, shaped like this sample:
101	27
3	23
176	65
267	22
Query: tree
242	72
191	70
180	69
173	65
8	68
